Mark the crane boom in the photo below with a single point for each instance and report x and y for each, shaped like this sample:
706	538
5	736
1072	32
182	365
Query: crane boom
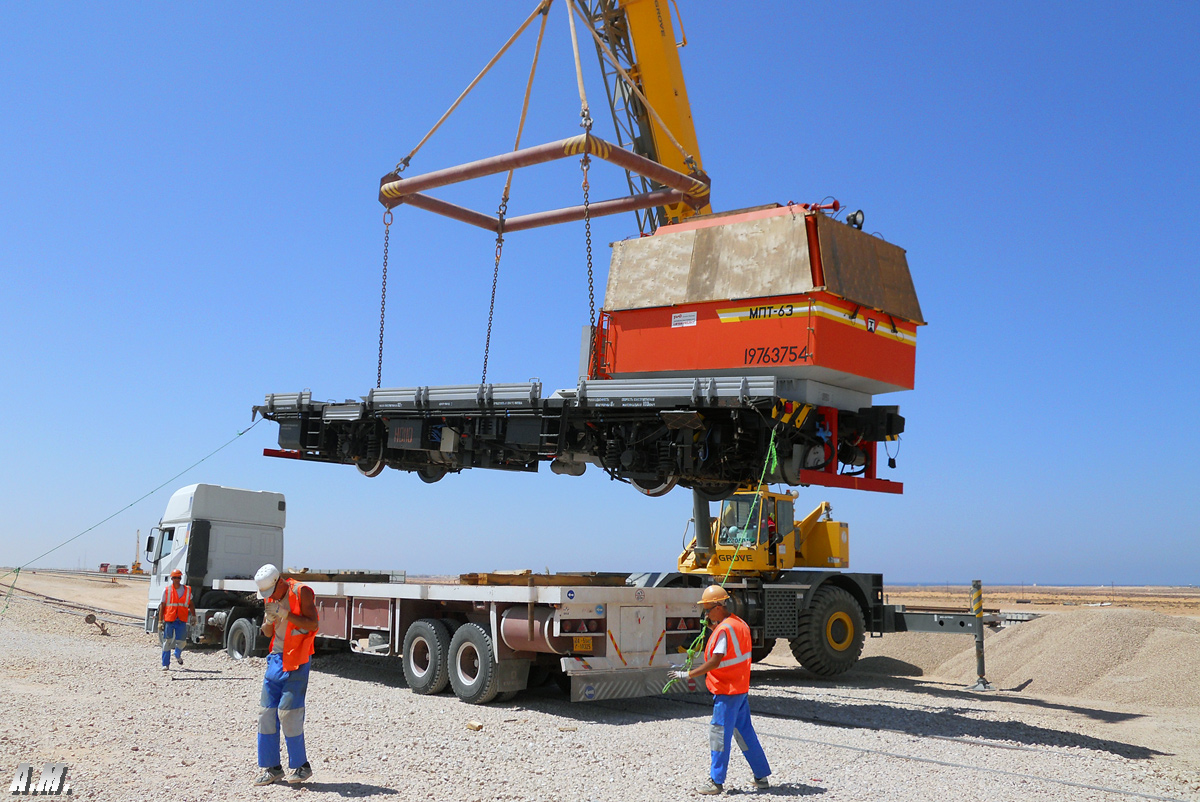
640	36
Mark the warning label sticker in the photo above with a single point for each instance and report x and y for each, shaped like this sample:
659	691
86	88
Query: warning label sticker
681	319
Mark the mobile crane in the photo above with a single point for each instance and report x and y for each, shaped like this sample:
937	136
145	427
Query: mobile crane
731	350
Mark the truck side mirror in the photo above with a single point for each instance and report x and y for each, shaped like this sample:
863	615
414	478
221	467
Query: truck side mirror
150	549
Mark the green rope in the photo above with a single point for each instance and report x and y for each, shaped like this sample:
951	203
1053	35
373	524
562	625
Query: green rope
16	572
771	461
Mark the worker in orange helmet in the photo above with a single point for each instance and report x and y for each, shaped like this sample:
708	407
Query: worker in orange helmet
726	671
174	612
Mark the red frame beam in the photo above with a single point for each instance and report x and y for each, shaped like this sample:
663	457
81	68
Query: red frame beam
690	189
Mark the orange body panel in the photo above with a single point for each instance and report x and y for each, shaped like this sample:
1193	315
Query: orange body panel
815	335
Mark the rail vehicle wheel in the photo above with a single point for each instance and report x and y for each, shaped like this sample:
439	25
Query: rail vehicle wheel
472	665
431	473
716	491
370	469
831	636
654	487
426	661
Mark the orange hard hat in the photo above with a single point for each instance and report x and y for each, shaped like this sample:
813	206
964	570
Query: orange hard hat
177	573
714	594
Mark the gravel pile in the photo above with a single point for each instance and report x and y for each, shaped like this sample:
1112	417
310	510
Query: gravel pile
130	731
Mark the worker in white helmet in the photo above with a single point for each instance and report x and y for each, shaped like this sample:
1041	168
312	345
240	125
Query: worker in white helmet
726	672
290	621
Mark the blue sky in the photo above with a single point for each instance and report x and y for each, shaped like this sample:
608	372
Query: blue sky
188	220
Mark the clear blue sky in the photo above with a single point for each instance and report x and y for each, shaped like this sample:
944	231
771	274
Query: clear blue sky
188	220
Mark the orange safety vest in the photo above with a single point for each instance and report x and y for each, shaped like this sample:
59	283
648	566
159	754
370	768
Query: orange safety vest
297	644
732	674
175	606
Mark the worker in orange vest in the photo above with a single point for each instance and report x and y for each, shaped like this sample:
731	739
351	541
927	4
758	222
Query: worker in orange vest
174	612
726	671
290	621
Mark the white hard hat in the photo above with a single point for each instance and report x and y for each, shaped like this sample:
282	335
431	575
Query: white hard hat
266	579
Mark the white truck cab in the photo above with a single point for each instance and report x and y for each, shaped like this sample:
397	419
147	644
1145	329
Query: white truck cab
212	532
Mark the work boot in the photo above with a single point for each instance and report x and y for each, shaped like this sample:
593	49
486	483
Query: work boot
166	668
179	659
760	784
270	775
710	788
300	775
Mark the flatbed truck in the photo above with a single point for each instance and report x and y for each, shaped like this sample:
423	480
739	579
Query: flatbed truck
490	636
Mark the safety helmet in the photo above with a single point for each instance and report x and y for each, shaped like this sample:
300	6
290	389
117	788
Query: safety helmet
177	573
714	594
266	579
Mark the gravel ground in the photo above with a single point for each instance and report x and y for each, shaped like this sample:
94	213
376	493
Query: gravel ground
129	731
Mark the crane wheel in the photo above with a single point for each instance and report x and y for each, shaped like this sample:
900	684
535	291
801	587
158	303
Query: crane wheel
759	653
473	672
654	487
426	661
832	630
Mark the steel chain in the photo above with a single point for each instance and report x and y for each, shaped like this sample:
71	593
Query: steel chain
587	229
487	343
387	232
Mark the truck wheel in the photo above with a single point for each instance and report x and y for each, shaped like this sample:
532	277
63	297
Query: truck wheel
757	655
426	645
472	666
243	639
831	633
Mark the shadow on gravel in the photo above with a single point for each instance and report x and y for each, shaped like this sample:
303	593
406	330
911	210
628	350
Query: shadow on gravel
935	721
350	790
362	668
792	677
783	789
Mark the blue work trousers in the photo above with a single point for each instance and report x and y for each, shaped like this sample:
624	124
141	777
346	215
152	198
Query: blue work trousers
282	708
731	720
174	635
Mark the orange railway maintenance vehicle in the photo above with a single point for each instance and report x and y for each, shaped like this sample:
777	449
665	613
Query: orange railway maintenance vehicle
732	350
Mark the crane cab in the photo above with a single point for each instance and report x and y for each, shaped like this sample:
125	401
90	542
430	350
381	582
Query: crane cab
755	534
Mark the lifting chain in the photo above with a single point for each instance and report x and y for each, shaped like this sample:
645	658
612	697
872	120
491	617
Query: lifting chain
487	343
584	164
387	232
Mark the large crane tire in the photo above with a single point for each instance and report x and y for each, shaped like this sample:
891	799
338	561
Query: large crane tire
832	631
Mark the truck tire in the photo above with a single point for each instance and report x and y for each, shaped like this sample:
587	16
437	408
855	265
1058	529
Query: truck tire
831	633
426	665
472	665
242	641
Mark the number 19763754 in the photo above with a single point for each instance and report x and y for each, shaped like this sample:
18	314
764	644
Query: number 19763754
776	354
